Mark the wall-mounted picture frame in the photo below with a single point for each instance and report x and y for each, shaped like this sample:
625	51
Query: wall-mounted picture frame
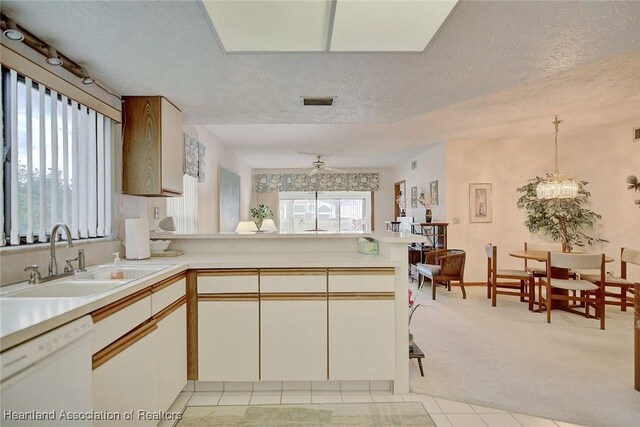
433	192
480	204
414	197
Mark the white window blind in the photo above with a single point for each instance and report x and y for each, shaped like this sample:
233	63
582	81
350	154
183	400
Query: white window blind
58	167
184	210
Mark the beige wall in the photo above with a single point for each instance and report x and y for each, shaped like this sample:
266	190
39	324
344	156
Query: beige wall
604	158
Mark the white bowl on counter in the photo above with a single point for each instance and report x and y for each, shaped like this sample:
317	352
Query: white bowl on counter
159	245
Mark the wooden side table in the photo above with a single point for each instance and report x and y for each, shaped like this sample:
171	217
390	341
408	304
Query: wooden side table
416	353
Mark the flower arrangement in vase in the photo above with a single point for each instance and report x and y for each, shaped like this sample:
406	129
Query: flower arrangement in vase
259	214
425	200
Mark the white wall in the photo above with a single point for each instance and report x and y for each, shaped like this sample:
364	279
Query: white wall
218	155
384	201
604	158
431	166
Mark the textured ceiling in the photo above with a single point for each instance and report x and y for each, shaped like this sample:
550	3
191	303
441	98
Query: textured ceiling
491	62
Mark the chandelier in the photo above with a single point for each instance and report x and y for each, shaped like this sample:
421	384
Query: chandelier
557	187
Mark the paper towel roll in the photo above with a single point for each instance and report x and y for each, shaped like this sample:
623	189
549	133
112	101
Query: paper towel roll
136	234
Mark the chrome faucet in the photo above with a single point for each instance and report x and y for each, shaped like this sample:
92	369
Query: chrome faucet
34	276
53	265
81	263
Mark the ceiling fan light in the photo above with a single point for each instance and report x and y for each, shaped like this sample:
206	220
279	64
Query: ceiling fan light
53	58
11	32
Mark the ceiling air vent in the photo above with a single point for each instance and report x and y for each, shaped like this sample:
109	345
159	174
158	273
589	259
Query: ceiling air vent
636	134
318	101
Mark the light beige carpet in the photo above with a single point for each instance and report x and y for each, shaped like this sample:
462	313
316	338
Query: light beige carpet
346	414
507	357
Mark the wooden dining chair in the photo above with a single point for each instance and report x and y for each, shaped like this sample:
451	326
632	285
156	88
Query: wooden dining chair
620	285
450	268
539	268
587	293
496	284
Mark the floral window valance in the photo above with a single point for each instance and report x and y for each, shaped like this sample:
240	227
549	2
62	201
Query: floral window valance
193	158
270	182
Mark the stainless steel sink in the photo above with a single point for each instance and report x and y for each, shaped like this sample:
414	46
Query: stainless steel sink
66	289
129	272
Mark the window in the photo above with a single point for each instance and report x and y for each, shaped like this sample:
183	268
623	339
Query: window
346	211
184	210
57	164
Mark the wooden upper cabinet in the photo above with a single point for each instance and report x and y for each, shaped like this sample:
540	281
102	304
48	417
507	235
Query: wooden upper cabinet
153	147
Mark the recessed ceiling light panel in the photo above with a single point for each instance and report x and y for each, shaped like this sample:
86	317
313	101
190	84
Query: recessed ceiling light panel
270	26
387	26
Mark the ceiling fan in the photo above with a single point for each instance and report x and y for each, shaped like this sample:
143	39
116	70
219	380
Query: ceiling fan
319	166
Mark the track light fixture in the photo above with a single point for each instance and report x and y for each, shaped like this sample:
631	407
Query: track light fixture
51	54
11	31
86	78
53	58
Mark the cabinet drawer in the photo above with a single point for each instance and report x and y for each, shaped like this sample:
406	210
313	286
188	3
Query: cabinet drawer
227	281
163	295
293	280
115	320
362	280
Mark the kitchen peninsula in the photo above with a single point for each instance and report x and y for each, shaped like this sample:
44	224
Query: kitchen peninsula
317	305
236	308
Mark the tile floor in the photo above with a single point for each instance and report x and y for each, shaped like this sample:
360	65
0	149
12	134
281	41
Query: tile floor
445	413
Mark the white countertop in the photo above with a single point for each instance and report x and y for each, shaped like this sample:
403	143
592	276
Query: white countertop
381	236
24	318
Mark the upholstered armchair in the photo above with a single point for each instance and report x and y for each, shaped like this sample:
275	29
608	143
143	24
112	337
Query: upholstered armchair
446	267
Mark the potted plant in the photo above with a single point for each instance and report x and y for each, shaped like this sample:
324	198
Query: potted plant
567	220
412	308
425	200
259	214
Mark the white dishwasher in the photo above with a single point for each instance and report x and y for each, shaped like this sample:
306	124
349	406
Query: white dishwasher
47	380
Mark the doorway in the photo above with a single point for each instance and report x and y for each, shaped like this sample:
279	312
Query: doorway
399	189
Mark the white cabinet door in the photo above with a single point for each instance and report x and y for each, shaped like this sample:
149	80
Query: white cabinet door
293	324
128	382
172	147
293	339
228	340
172	356
362	342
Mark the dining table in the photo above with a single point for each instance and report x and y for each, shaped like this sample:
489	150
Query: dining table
556	273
